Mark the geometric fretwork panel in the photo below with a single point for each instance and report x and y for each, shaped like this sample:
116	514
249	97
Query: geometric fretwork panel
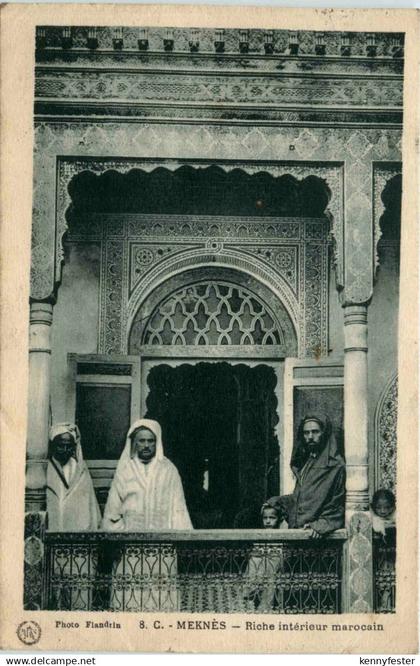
192	576
386	438
212	313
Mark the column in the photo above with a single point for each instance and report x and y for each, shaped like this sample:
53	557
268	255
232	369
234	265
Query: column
356	407
38	403
358	573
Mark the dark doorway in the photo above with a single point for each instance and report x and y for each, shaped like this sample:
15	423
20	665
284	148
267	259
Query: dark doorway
218	429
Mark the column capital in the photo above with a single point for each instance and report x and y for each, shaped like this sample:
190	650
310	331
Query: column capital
41	313
357	500
355	314
355	328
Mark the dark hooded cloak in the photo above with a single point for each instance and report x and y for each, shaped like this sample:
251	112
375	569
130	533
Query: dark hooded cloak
319	494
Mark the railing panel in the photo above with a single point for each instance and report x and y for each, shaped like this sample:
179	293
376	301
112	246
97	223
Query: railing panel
189	573
384	559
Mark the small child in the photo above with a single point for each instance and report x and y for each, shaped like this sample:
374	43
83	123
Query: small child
264	563
383	524
383	510
272	517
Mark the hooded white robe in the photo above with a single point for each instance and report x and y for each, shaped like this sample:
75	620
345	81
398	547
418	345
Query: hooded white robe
146	497
72	506
71	500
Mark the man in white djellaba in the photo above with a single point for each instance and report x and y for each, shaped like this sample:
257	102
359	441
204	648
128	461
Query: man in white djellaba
71	500
146	494
71	507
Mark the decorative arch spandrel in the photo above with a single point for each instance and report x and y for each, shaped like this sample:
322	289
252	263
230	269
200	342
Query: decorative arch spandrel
383	174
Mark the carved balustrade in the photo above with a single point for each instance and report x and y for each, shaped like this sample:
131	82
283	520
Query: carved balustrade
280	571
384	576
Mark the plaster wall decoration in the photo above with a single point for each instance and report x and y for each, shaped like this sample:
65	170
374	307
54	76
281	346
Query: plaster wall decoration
145	255
202	88
382	174
305	87
252	66
283	258
113	279
208	114
315	298
216	255
386	437
136	263
214	226
279	150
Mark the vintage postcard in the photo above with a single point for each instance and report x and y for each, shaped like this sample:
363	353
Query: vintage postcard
209	329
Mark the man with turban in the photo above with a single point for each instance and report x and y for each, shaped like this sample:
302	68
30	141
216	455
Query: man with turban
317	502
71	507
71	500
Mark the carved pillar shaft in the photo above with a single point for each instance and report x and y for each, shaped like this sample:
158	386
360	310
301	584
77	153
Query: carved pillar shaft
358	572
38	403
356	406
34	582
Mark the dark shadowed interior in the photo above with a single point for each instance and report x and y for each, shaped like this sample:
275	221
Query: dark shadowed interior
218	428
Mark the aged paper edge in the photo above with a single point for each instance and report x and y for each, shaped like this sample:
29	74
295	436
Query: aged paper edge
17	80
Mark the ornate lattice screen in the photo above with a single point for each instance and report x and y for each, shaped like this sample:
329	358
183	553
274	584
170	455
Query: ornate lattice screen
386	437
212	313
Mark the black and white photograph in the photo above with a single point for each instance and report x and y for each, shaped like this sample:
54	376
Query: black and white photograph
215	242
214	324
